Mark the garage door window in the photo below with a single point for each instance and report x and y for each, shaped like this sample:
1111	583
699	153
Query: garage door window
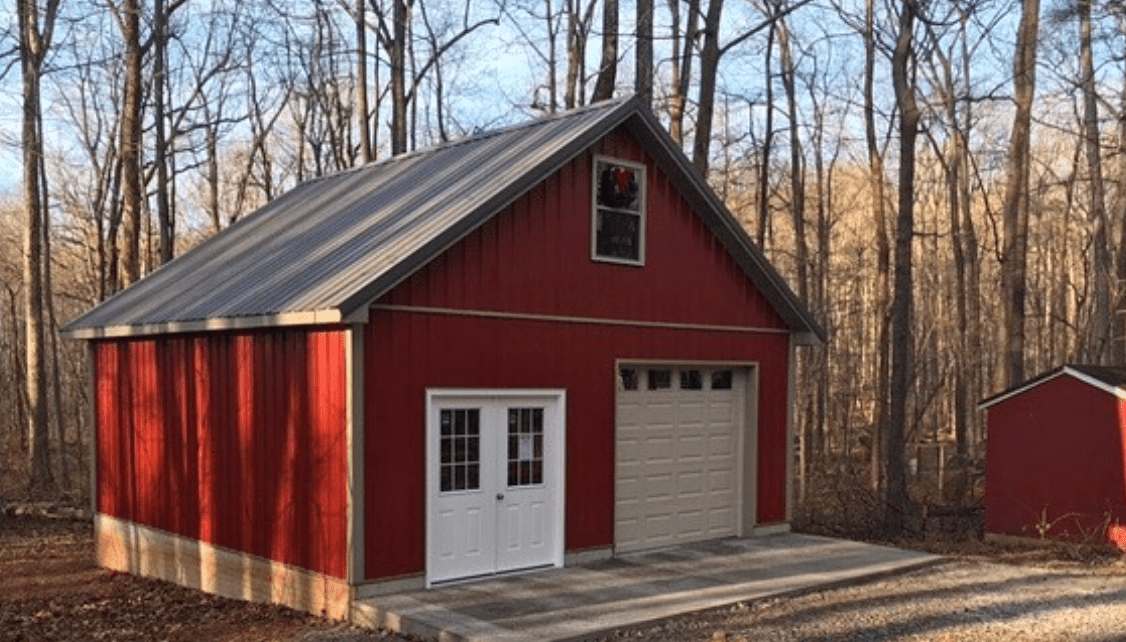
660	379
630	379
691	380
721	380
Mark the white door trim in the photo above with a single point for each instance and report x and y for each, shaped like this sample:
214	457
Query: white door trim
554	454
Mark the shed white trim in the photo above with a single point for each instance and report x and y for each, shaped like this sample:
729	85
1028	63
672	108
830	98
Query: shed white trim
1050	376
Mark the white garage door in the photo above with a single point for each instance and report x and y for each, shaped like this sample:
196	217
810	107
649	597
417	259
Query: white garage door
680	439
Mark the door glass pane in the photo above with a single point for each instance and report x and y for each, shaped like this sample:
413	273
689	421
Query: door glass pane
525	446
459	450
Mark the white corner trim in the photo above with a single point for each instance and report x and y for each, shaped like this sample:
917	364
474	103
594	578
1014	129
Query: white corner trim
129	547
354	429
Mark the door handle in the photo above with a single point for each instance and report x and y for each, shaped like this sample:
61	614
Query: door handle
500	496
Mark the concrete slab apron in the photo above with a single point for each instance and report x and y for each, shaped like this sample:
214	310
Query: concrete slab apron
584	601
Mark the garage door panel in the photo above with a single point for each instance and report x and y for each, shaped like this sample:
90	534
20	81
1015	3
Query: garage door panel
690	485
677	462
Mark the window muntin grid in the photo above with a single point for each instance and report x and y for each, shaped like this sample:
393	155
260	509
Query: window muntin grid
525	446
460	457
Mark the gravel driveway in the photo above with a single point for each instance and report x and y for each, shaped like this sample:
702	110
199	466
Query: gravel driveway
967	599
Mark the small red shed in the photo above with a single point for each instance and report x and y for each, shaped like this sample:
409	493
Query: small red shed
1055	459
532	347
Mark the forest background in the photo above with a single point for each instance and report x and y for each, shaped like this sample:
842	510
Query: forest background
944	181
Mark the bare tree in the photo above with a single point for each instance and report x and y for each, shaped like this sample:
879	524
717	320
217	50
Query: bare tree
902	292
682	56
608	68
36	29
367	152
643	69
128	15
883	249
1101	266
1014	251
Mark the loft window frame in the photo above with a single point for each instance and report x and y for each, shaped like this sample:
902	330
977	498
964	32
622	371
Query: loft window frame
642	211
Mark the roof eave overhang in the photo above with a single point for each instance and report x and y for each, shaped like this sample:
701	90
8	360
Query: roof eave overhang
285	319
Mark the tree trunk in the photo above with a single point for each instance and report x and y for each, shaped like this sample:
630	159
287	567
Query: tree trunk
883	252
608	68
33	45
366	152
681	66
398	55
1014	214
709	71
902	294
132	192
164	215
643	69
1100	266
767	141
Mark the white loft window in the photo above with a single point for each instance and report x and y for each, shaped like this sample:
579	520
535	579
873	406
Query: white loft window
618	233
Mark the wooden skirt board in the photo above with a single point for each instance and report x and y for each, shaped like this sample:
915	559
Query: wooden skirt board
680	453
133	548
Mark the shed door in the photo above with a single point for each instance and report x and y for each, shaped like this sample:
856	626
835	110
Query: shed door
495	484
680	447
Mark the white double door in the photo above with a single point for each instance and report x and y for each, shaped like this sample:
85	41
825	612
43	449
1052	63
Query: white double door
494	482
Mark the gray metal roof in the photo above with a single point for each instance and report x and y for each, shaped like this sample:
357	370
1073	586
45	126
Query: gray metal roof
327	249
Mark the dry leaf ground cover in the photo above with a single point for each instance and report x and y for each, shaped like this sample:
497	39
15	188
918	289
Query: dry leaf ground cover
50	589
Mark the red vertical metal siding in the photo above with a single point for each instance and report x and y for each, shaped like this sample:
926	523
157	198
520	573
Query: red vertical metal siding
237	440
1055	454
534	258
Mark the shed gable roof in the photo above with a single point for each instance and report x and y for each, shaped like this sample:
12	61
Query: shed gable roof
324	251
1109	379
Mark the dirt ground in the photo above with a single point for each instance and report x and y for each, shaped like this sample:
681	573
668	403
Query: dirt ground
50	589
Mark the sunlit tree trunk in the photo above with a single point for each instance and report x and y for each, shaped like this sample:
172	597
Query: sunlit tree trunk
1014	215
34	40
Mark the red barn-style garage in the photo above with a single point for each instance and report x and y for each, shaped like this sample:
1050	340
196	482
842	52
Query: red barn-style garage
1055	459
533	347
